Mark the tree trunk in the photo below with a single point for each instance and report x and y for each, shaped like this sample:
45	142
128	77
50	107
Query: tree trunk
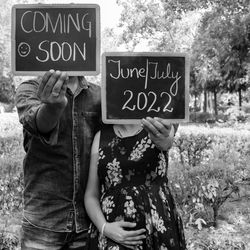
240	97
215	104
215	210
205	101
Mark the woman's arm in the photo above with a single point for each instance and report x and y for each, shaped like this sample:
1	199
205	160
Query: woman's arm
114	230
92	193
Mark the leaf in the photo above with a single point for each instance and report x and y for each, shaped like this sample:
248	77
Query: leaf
199	223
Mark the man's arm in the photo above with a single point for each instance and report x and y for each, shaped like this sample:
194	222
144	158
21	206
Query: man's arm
38	111
51	92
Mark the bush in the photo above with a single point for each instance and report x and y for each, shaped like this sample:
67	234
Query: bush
192	150
211	244
205	168
11	184
11	158
11	187
10	145
236	114
8	241
200	117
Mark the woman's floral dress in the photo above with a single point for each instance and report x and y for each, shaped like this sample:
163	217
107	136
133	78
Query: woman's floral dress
134	187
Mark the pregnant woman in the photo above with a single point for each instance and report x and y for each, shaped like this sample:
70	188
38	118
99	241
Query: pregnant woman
127	196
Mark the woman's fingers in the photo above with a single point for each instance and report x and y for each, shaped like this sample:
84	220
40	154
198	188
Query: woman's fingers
136	238
128	224
120	234
128	246
132	242
136	234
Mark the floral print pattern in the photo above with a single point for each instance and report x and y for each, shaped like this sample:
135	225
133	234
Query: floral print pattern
133	178
140	148
113	173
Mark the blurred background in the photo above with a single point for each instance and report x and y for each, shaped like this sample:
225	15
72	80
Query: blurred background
209	165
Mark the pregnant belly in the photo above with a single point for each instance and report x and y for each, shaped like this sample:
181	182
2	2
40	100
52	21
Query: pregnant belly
139	204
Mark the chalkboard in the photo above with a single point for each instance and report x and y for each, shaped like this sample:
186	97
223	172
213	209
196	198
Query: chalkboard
139	85
63	37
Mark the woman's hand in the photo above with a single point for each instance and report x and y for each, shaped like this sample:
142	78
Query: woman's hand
117	233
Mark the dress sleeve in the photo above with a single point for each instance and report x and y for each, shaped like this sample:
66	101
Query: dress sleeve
28	104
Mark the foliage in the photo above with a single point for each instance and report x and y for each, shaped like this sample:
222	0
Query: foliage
220	50
8	241
11	175
236	114
7	90
192	152
11	157
210	244
180	6
149	24
205	169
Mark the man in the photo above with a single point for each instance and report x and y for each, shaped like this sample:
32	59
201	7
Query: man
60	116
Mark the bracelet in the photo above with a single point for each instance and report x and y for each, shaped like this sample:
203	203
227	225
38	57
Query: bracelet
103	227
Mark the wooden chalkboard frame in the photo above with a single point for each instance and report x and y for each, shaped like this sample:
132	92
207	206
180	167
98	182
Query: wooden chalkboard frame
142	54
43	6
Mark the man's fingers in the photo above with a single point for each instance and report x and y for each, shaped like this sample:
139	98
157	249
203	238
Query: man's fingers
156	127
51	83
44	80
164	122
58	87
149	126
162	126
64	86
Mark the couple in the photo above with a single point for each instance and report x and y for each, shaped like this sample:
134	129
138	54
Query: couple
120	183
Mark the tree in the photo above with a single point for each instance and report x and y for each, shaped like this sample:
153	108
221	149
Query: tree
235	64
222	30
158	28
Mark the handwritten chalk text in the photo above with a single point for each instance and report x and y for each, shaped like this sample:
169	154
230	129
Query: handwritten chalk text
60	24
150	71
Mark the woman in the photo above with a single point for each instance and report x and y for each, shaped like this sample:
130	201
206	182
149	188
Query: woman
127	195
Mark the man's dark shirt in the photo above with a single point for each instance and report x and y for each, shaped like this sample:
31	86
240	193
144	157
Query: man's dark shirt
56	165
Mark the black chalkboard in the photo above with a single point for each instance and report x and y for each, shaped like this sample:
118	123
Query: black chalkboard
63	37
138	85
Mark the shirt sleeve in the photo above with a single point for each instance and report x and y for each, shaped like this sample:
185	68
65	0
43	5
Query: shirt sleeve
28	104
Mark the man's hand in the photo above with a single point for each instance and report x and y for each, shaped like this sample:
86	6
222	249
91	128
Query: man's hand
51	92
160	132
117	233
52	89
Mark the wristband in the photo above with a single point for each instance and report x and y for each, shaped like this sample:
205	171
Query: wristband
103	227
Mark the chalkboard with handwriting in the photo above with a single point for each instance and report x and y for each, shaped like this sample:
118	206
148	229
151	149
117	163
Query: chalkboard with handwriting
63	37
138	85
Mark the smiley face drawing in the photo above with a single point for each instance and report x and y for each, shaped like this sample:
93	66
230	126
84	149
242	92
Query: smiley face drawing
23	49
